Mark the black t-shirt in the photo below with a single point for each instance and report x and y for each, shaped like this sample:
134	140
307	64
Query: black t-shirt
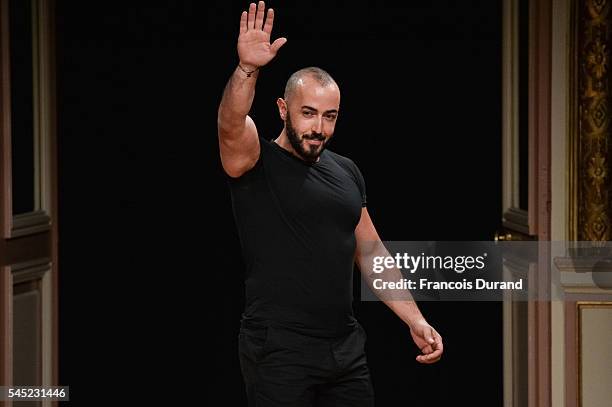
296	222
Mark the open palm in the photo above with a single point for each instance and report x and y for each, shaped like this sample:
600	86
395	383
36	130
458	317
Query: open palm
254	48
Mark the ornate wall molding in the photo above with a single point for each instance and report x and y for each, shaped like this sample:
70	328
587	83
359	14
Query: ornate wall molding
590	155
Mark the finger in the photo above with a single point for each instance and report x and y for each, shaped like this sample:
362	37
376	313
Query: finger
426	349
269	21
423	359
434	356
277	44
251	21
243	22
430	335
260	15
439	345
431	358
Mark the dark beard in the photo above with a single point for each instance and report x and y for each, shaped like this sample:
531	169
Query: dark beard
310	153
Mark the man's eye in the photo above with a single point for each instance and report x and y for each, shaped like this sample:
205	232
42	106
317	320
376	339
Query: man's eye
331	117
306	113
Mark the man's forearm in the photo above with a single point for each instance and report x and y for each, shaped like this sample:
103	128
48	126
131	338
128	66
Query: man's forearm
236	102
406	310
400	302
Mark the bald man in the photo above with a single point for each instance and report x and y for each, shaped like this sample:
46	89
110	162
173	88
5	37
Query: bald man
301	212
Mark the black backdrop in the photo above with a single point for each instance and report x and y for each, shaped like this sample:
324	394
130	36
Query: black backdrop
150	273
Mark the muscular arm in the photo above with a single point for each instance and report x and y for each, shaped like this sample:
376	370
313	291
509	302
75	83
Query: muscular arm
238	141
370	245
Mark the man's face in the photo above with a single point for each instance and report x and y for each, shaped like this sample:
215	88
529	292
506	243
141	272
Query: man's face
311	116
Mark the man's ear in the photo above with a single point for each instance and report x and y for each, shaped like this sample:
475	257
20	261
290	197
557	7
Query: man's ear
282	108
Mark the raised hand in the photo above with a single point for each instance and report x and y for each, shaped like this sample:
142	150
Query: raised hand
254	48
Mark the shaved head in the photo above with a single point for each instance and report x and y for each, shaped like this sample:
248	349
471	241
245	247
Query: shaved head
318	74
309	109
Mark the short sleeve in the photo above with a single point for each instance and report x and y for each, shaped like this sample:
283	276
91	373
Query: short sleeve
361	184
355	173
351	168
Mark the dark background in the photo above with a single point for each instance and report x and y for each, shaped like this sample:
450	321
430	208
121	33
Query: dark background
150	274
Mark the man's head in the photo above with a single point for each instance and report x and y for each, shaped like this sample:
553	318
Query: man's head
310	108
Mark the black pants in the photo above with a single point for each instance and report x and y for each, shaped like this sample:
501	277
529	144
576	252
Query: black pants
284	368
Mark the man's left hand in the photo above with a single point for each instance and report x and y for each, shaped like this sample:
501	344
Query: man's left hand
428	340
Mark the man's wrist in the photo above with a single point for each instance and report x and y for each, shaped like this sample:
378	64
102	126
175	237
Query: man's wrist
248	69
414	320
407	311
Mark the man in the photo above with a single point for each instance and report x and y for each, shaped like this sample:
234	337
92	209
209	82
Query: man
301	215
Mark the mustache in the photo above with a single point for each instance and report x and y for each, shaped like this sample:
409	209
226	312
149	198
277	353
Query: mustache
314	136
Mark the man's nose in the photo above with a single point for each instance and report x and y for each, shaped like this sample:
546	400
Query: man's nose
317	126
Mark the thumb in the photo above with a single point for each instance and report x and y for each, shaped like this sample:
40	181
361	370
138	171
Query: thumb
277	44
